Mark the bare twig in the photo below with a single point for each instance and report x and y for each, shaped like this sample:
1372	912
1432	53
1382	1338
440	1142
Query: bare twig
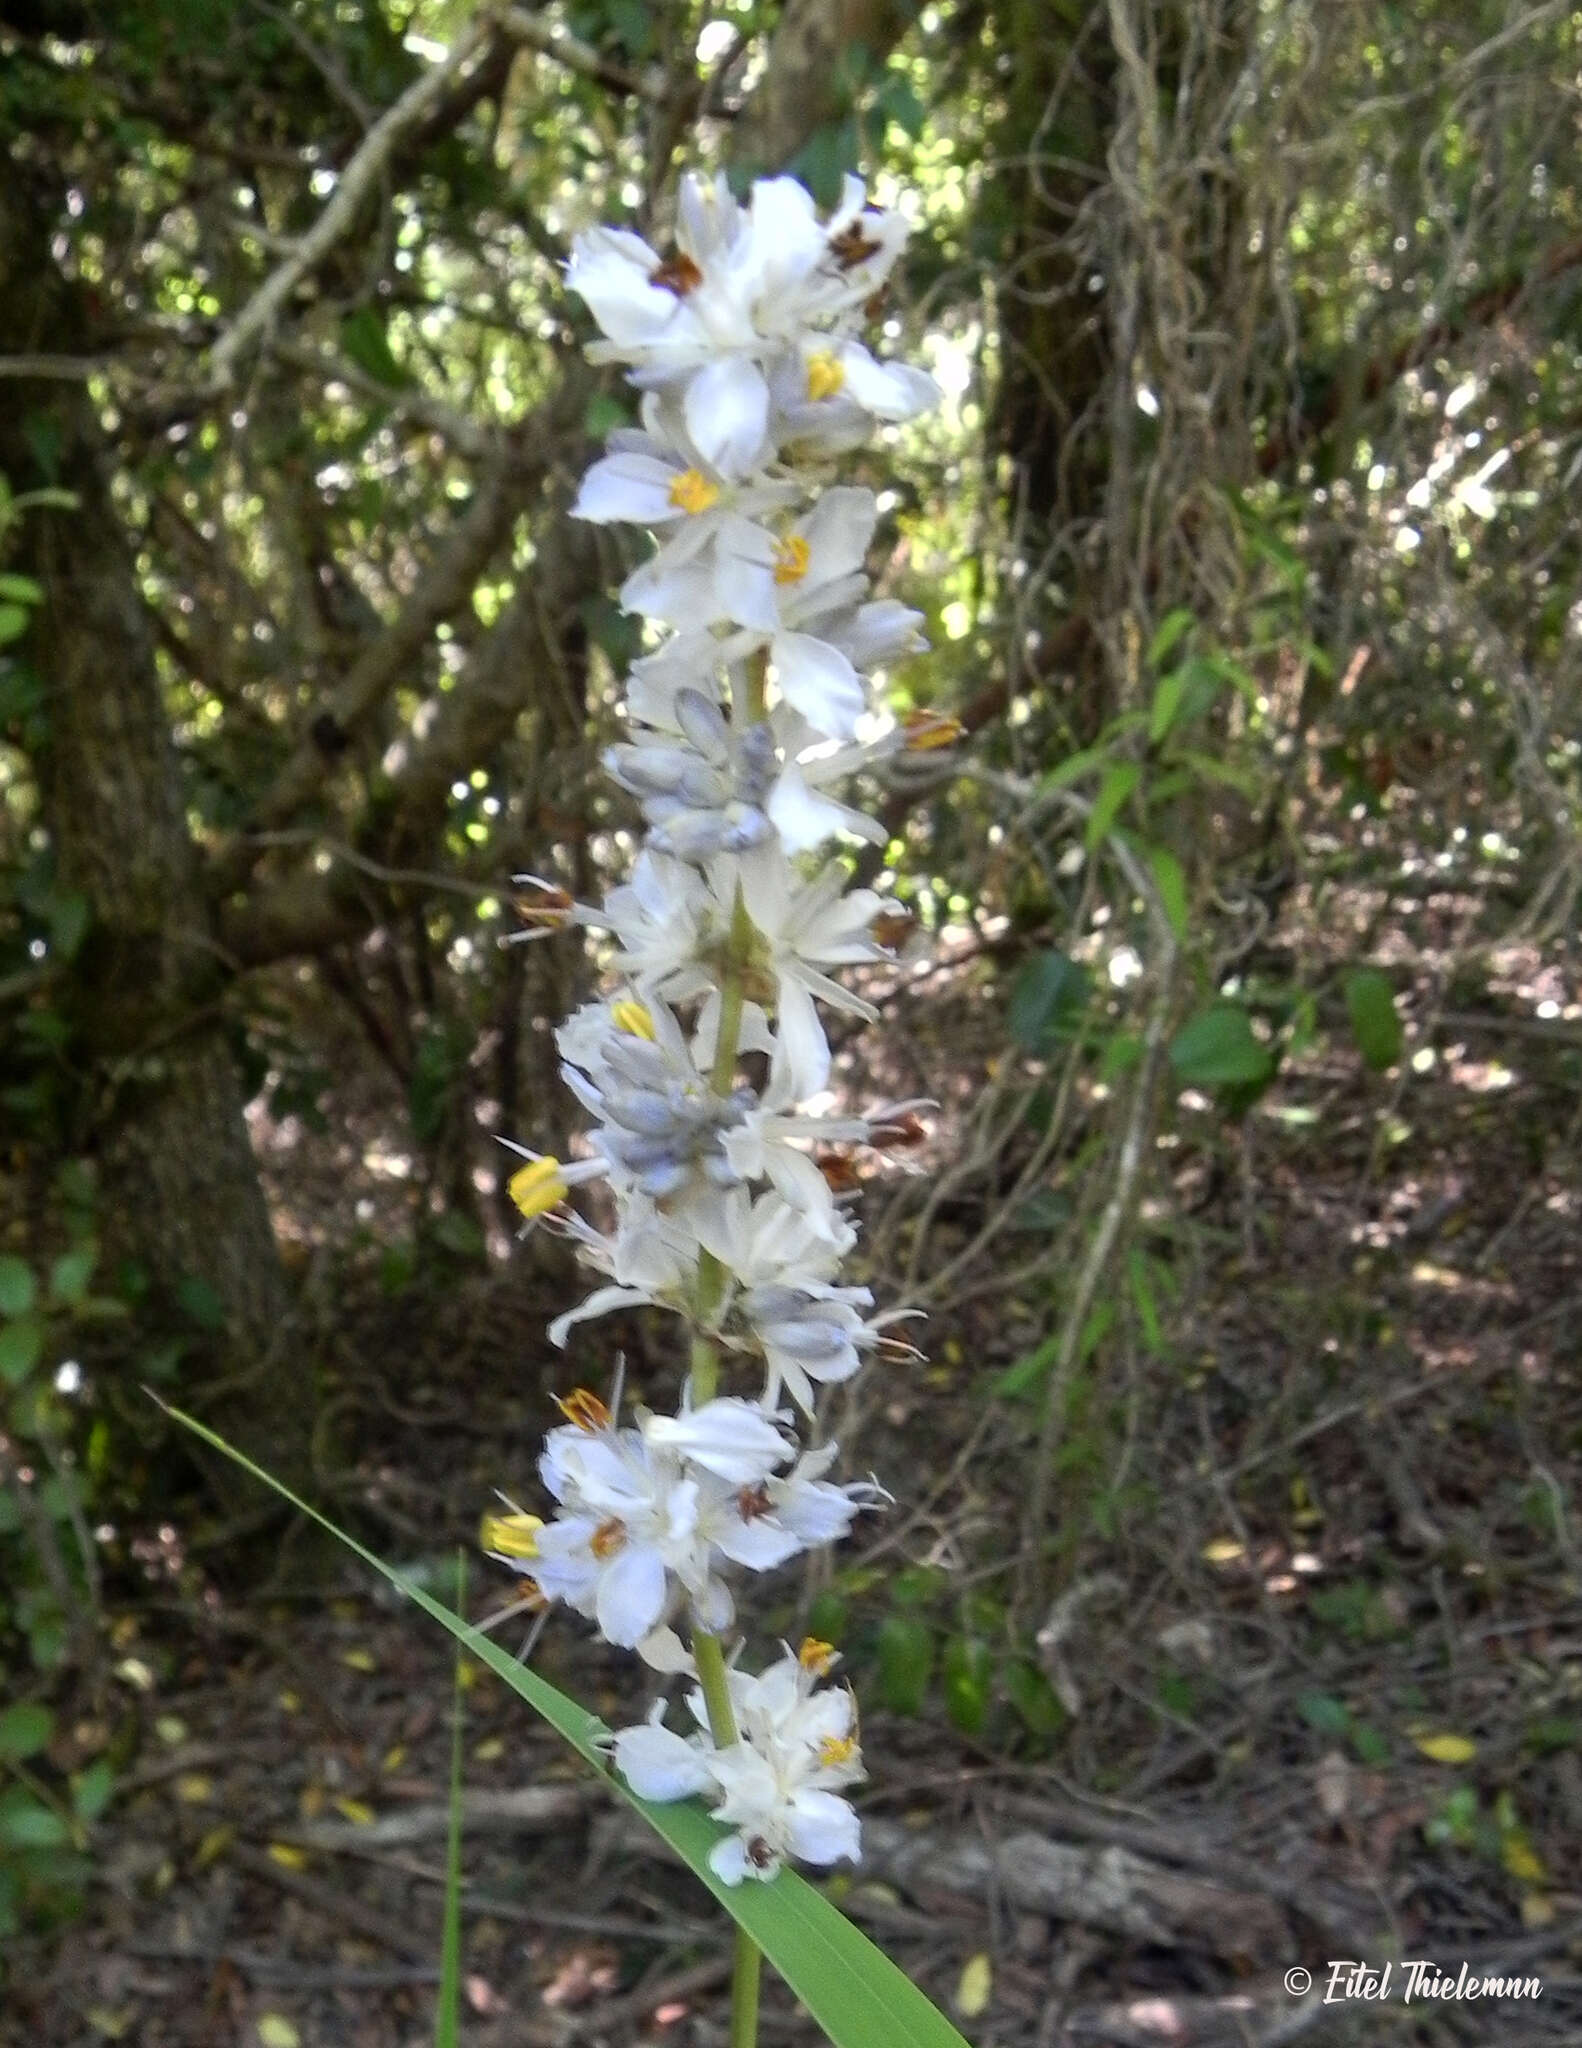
340	216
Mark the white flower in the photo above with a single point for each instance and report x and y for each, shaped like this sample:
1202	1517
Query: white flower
660	1505
805	929
712	550
825	397
743	287
650	1261
704	784
778	1785
661	1125
733	1439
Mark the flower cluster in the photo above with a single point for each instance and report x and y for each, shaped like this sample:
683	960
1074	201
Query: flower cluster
743	720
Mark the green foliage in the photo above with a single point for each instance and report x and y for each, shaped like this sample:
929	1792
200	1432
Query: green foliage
1218	1048
1048	999
906	1662
1370	1003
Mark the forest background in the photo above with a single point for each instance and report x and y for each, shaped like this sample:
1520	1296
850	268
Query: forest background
1231	1617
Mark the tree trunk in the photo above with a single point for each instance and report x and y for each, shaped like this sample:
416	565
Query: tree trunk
162	1108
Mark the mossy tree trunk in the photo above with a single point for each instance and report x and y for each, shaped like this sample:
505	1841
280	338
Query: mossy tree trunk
160	1109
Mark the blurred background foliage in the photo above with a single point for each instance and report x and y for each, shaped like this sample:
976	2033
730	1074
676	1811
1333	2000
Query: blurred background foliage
1247	538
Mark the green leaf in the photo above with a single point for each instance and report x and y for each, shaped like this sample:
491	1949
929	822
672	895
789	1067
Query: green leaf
1370	1002
1323	1712
91	1790
1047	1000
1373	1748
25	1729
851	1989
13	622
603	414
26	1823
906	1662
70	1274
447	2015
364	339
1073	768
201	1302
1033	1697
898	102
1218	1048
967	1674
21	1344
1171	884
1117	786
1027	1373
21	590
69	918
16	1286
1143	1301
1167	635
1167	702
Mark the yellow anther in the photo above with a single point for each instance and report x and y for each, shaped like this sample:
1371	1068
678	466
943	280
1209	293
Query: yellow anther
837	1749
928	731
584	1409
818	1657
513	1535
825	375
692	492
791	559
537	1187
634	1018
608	1538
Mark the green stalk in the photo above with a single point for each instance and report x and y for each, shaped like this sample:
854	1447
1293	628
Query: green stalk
745	1975
746	1969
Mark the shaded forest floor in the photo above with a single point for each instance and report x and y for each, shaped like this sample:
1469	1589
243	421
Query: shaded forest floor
1317	1644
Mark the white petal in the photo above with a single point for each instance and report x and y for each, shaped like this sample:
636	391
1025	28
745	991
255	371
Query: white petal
787	241
599	1303
728	414
890	391
837	531
676	593
799	1181
658	1764
744	581
663	1650
802	1037
817	680
610	270
824	1829
628	487
631	1595
730	1862
816	1512
759	1544
803	818
731	1438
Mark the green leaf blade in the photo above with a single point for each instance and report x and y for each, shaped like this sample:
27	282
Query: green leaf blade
1375	1021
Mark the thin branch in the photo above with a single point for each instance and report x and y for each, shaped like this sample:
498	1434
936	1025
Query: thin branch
60	369
550	40
339	218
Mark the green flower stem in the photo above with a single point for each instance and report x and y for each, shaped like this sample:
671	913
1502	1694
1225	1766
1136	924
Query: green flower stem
747	1968
745	1975
716	1692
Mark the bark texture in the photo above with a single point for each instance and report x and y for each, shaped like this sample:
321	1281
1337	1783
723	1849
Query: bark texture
810	74
162	1105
